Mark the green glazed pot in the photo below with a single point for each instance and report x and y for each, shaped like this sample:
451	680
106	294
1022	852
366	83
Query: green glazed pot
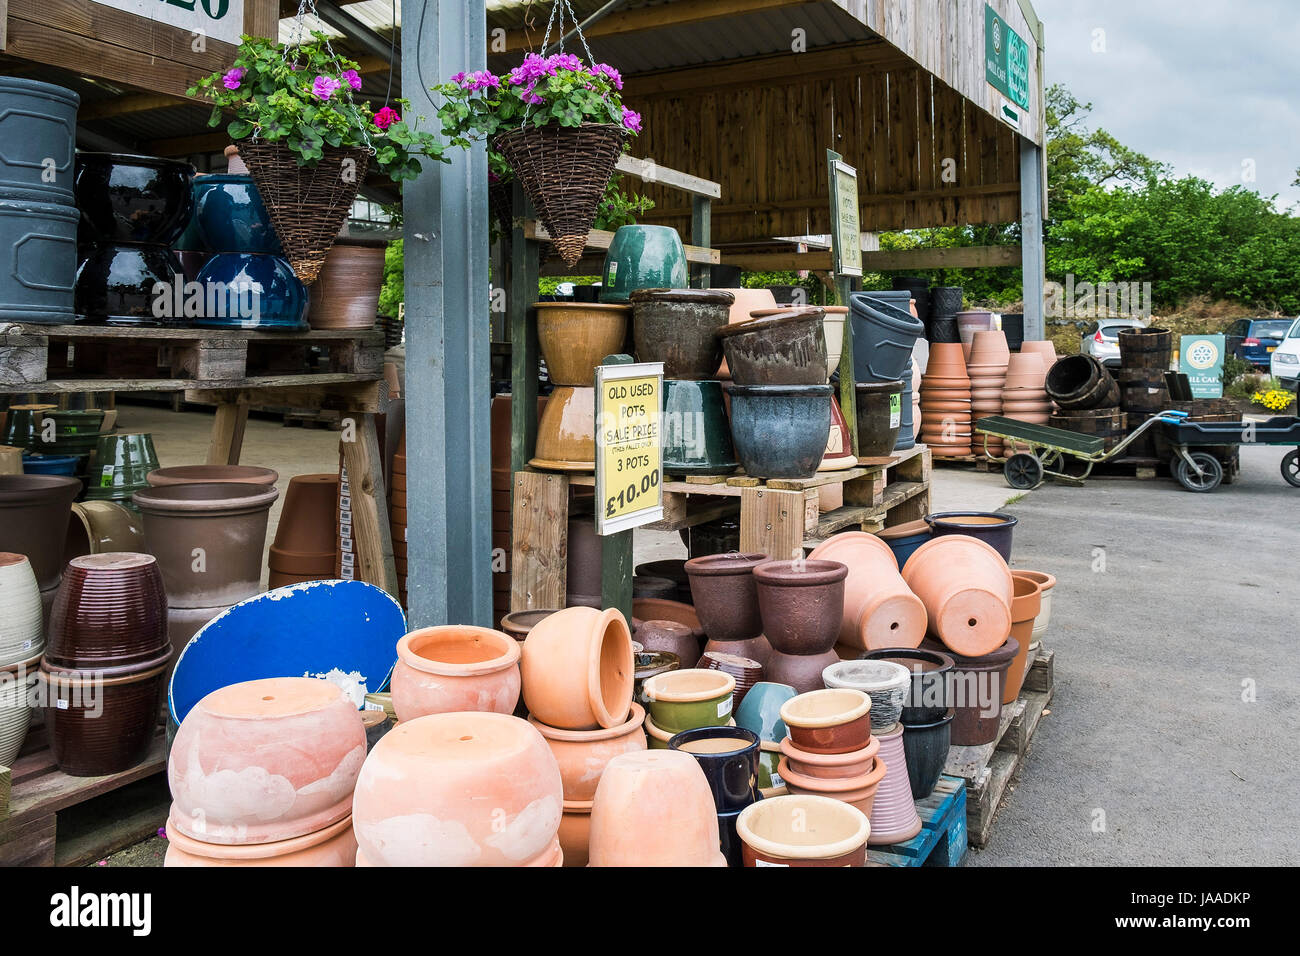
643	257
696	435
23	425
120	467
768	774
75	433
686	699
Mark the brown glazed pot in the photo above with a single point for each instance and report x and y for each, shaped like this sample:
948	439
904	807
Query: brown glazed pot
726	595
210	474
101	726
784	348
801	604
110	613
227	521
835	721
518	623
575	337
747	672
755	648
346	293
679	328
34	513
670	637
975	687
803	672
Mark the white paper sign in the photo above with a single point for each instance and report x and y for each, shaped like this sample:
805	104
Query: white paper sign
214	19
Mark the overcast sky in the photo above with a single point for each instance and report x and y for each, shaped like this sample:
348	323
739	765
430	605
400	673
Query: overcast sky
1205	85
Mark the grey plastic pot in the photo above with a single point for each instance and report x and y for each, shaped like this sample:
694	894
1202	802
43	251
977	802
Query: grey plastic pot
780	430
883	336
38	126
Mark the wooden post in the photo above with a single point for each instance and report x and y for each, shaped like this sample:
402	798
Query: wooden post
370	528
848	392
702	236
540	544
227	440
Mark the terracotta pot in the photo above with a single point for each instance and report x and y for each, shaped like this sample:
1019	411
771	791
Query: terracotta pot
966	588
577	669
575	337
22	631
679	328
657	738
518	623
893	815
860	791
1046	583
308	519
803	830
566	435
583	754
227	521
879	608
777	348
100	726
34	512
685	699
726	598
477	789
110	614
670	637
855	763
455	668
654	808
346	293
803	672
575	832
828	721
801	604
1026	370
745	670
99	526
335	845
975	686
264	761
886	683
213	474
1026	601
757	649
1046	350
729	758
989	347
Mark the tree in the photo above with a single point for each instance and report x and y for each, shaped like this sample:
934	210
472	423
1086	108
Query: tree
1079	158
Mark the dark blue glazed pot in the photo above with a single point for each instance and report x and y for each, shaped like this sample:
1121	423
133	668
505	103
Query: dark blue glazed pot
50	464
126	198
780	430
119	285
231	216
252	292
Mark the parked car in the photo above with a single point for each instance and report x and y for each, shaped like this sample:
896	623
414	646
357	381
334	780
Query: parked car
1101	341
1285	360
1255	339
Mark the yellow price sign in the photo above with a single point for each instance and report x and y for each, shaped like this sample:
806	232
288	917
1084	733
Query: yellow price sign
629	446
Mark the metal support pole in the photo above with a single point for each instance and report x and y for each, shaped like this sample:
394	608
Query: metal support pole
1033	263
449	535
702	236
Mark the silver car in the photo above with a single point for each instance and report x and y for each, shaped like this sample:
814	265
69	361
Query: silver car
1101	341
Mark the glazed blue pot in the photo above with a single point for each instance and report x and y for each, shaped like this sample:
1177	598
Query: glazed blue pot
252	292
50	464
780	430
231	216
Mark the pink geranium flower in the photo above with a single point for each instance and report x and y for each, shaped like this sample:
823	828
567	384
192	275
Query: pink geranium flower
386	117
324	87
233	78
353	78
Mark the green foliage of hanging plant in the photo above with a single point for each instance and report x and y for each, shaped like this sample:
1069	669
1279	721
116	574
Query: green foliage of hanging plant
393	292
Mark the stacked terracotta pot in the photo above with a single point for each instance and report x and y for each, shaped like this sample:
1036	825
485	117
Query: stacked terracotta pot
105	666
306	539
987	369
22	640
1024	397
262	773
577	669
946	402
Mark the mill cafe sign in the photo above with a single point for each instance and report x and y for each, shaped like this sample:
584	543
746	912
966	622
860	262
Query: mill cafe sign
212	19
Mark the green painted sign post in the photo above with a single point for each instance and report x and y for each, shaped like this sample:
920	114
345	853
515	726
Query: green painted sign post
1006	58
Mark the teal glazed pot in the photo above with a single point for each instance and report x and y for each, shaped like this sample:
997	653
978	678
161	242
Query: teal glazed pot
643	257
760	710
696	435
231	216
780	430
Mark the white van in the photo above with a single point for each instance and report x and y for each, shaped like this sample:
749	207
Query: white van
1285	362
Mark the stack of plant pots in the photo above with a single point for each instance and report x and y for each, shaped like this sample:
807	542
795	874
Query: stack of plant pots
1145	356
1024	396
987	369
726	604
38	218
945	303
106	663
34	515
306	545
831	751
577	679
1026	604
68	432
120	467
729	757
263	773
927	713
918	289
878	609
22	641
760	712
946	402
488	778
970	322
208	539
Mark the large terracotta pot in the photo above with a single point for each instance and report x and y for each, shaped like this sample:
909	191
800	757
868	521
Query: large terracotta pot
34	513
566	435
803	672
22	633
803	830
110	614
307	528
578	670
777	348
654	808
679	328
455	667
1026	601
477	789
212	474
893	815
975	688
885	682
575	337
264	761
880	610
1046	583
346	293
801	604
575	832
335	845
97	725
226	521
726	595
584	754
829	721
966	588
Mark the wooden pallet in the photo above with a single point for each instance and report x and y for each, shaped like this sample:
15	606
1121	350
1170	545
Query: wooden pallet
989	768
49	818
76	358
942	840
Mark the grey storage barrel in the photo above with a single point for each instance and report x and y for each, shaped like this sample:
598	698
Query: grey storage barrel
38	131
38	261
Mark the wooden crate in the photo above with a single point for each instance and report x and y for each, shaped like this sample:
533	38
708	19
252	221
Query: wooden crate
942	840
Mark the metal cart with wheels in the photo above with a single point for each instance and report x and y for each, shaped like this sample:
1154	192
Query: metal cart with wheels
1201	471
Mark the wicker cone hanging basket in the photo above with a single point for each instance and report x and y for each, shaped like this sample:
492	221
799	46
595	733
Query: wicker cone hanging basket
307	205
564	171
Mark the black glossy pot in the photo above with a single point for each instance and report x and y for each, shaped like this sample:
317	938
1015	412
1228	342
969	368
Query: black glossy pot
733	771
928	699
116	284
780	430
926	748
126	198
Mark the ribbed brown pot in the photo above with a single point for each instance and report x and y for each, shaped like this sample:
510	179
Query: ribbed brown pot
99	727
110	613
34	513
226	521
346	294
726	595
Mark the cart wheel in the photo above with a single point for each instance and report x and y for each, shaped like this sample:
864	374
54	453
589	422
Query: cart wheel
1210	476
1023	471
1291	468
